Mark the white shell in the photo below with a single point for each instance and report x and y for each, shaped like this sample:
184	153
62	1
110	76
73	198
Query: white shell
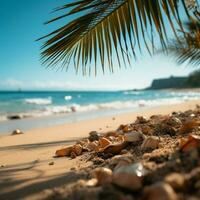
151	142
103	175
130	176
134	136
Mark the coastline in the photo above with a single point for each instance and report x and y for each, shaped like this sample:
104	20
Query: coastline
26	172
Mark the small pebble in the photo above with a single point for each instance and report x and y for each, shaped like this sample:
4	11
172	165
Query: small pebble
161	191
93	136
51	163
17	132
176	180
73	155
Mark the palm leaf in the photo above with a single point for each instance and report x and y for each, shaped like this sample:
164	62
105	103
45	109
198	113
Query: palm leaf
187	47
108	29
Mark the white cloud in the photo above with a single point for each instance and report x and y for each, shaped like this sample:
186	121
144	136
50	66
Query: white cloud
11	83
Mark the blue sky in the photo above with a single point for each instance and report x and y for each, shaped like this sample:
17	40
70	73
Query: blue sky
21	23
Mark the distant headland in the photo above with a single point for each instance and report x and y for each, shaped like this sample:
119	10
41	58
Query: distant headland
173	82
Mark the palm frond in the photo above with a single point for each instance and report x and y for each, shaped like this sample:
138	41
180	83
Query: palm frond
106	29
187	47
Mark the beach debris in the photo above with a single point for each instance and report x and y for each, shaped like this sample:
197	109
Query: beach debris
73	155
92	146
72	151
14	117
160	190
77	149
188	126
126	171
103	142
94	135
193	141
141	120
164	129
92	182
123	159
111	134
175	180
127	128
147	130
17	132
103	175
172	121
129	176
73	108
133	136
64	151
51	163
114	148
151	142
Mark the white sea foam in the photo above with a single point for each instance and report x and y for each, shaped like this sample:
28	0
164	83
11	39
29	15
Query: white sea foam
67	98
39	101
133	92
114	105
56	110
3	118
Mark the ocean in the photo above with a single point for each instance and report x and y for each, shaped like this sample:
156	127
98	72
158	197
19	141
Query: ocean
60	107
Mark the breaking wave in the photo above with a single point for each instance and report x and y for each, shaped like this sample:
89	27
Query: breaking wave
39	101
67	98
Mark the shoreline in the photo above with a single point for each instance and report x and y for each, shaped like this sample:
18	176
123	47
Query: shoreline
104	123
25	169
32	123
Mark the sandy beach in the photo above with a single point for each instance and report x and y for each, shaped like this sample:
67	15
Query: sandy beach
28	169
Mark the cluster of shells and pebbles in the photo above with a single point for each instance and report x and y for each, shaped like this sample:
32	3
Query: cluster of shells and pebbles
154	159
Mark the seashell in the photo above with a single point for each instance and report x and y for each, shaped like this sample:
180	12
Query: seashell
120	138
103	142
93	136
192	142
103	175
87	183
176	180
172	121
160	190
188	126
114	148
92	146
17	132
92	182
129	177
77	149
120	158
134	136
119	161
64	152
151	142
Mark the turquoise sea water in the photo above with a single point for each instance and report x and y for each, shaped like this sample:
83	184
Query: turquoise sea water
34	104
61	107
